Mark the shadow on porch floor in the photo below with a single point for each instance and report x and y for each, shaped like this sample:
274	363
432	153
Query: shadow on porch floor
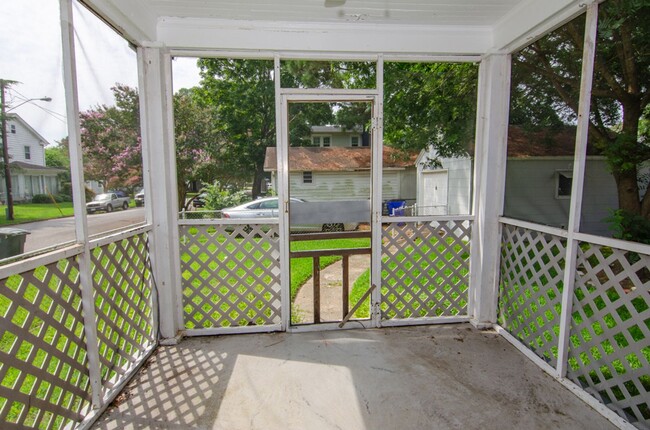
432	377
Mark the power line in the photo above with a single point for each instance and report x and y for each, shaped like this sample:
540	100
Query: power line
60	117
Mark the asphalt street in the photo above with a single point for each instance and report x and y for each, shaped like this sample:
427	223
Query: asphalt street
43	234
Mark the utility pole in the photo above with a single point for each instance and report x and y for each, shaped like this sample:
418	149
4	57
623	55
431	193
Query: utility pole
5	154
4	84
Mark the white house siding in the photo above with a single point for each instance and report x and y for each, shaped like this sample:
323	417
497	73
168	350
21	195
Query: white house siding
343	185
531	193
24	137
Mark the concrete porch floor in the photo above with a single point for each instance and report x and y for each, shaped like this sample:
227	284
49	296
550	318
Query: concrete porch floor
430	377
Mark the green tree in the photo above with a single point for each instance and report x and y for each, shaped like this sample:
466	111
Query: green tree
58	155
546	84
110	137
430	104
199	145
243	94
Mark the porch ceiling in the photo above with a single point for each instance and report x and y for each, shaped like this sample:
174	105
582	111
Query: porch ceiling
415	27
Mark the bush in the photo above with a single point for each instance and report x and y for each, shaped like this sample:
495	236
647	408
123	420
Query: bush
217	197
47	198
629	226
66	190
42	198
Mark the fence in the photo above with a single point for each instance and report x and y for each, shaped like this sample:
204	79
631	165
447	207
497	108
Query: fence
425	270
47	369
230	276
607	334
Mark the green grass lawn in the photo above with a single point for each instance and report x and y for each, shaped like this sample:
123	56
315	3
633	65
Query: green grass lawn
302	268
426	259
359	288
28	212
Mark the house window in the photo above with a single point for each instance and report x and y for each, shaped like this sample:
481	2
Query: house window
28	153
12	128
316	140
354	141
563	183
326	140
306	178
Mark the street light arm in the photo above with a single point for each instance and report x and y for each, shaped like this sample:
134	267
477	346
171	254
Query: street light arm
42	99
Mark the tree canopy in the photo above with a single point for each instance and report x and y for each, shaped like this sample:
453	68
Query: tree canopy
546	84
110	137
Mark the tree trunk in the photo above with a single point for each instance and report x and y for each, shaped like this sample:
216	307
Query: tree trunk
628	191
627	180
182	193
645	204
257	180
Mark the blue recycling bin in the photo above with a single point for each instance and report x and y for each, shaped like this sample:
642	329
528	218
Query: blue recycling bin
395	207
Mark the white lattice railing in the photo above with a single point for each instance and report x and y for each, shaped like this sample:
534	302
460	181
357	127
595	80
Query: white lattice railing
45	370
230	276
609	328
532	267
123	293
425	269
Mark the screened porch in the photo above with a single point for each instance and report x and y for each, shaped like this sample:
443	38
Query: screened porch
481	317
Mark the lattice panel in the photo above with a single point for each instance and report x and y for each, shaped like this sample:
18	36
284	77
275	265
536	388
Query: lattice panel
609	351
124	305
425	269
44	379
530	296
230	275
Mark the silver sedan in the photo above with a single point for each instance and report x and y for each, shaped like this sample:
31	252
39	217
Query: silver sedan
268	208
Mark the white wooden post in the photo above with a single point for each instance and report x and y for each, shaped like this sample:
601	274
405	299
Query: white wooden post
79	201
489	185
282	188
159	159
579	166
377	193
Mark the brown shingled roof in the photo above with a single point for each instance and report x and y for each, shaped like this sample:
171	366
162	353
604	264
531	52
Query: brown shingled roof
309	158
543	143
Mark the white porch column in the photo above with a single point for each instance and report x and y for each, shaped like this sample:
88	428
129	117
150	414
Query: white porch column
159	164
489	186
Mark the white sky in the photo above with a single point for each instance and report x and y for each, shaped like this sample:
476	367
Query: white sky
30	36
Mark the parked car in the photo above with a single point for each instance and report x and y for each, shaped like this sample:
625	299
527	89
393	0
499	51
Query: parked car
199	200
119	193
139	199
268	208
106	202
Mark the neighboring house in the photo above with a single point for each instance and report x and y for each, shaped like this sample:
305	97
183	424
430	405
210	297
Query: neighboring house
539	174
328	136
29	174
539	177
95	186
343	173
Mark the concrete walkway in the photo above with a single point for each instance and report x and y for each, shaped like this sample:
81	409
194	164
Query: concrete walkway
331	297
430	377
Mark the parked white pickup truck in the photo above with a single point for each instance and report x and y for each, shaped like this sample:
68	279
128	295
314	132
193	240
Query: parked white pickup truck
107	202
